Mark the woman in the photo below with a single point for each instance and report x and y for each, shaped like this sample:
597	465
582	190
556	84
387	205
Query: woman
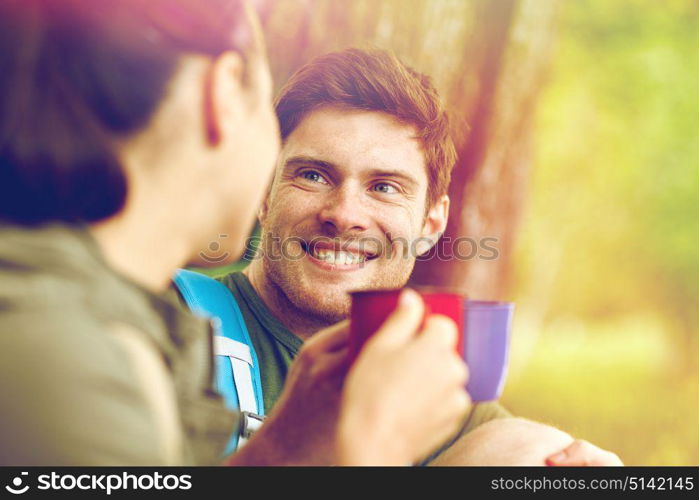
131	135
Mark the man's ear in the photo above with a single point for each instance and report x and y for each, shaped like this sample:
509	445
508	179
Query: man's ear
223	83
434	225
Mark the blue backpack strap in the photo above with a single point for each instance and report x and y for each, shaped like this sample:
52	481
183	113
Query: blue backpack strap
237	369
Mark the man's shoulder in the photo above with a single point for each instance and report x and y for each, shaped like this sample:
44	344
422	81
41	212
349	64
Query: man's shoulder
233	281
485	412
479	414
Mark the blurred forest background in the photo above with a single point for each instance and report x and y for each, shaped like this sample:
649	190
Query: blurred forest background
577	123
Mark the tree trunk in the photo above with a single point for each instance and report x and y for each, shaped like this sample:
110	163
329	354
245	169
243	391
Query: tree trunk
508	56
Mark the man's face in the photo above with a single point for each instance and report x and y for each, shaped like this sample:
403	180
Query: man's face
347	209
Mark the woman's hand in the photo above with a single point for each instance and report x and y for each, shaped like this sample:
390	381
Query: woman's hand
405	393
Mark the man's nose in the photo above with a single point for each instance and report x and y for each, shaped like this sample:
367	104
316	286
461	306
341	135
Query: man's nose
344	211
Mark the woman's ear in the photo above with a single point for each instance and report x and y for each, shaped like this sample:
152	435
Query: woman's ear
222	85
434	225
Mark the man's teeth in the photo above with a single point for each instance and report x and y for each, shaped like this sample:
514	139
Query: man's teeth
338	258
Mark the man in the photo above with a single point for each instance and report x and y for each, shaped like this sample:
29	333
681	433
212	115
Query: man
359	192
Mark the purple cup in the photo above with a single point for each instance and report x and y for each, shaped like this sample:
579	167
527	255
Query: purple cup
486	347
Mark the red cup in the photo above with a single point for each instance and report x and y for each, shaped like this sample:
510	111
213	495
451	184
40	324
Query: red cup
371	308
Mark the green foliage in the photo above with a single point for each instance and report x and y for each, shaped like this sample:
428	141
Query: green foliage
617	170
590	384
614	214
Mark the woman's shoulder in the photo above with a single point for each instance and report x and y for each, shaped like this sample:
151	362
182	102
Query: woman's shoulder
70	377
56	274
73	392
54	303
45	267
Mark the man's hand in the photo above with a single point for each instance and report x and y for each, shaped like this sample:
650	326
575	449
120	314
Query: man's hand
581	453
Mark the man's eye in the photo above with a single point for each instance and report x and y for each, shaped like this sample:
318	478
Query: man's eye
313	176
384	187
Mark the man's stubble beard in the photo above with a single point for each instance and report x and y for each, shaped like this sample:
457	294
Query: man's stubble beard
332	304
292	292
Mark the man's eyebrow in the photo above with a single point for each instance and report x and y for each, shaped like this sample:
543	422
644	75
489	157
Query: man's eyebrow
298	161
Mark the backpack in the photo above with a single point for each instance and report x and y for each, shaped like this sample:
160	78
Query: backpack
236	367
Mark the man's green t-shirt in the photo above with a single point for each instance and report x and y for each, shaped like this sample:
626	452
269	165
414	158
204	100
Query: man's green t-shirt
277	346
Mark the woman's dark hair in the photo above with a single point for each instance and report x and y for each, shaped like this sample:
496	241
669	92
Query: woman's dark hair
74	76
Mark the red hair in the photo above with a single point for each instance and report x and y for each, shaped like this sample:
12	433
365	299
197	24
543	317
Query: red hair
374	80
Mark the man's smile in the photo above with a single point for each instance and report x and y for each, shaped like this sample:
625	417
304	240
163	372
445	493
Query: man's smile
336	256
